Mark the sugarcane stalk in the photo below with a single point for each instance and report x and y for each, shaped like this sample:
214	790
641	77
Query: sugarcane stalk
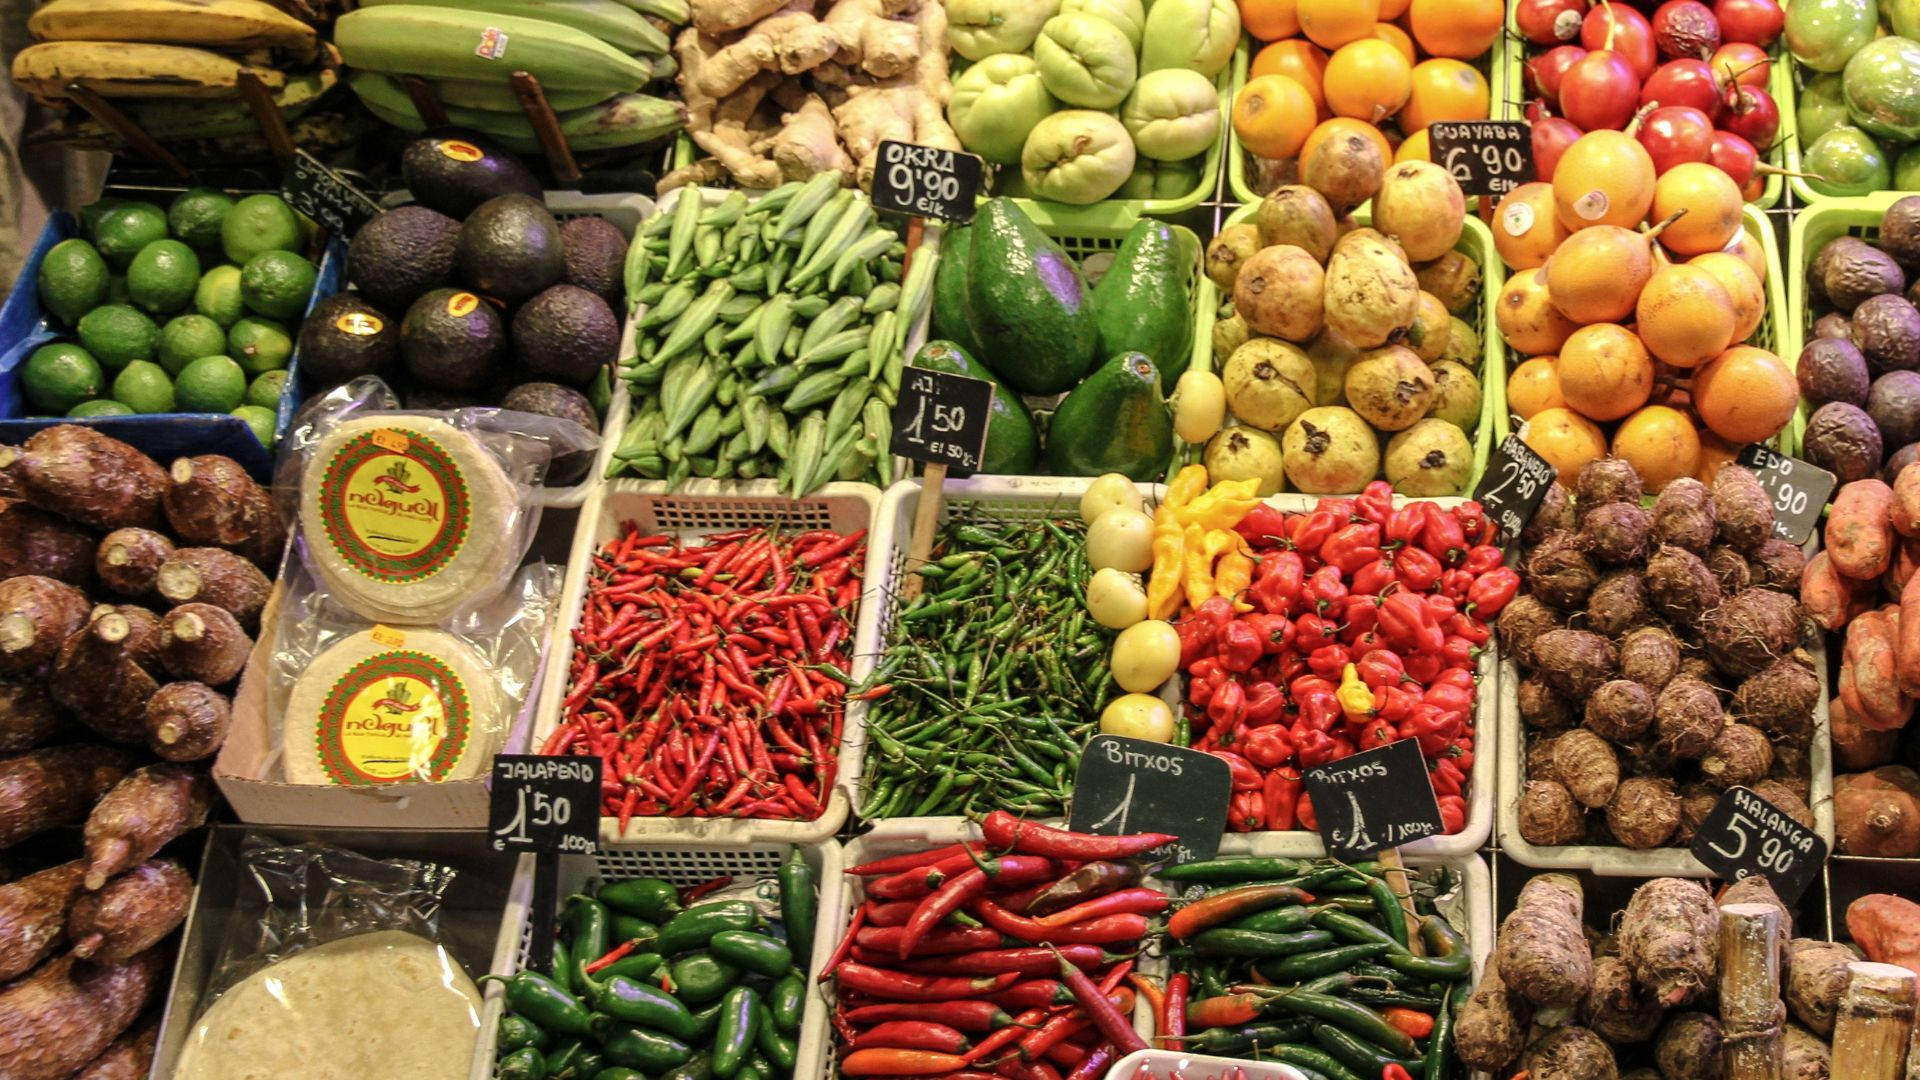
1751	1012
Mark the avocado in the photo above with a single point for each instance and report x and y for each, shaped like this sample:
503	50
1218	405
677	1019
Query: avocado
561	403
1141	302
1012	444
595	253
454	170
509	248
1115	421
400	254
343	338
566	334
452	340
952	320
1032	315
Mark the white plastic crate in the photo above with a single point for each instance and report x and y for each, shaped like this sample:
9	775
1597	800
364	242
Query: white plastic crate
702	508
1156	1064
682	866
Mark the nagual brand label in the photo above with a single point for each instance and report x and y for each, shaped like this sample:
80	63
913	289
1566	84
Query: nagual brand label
395	515
394	716
459	150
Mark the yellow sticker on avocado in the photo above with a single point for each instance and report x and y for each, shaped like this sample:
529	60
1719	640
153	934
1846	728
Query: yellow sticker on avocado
394	716
459	150
359	323
461	303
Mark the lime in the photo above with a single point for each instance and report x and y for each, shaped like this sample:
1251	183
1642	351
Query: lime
210	384
118	334
121	232
196	214
187	338
277	284
117	290
91	214
73	280
218	295
163	276
265	389
261	420
259	223
260	345
99	407
59	376
144	388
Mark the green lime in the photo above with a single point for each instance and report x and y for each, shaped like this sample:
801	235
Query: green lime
59	376
117	290
121	232
73	280
210	384
163	276
118	334
99	407
187	338
91	214
266	388
196	214
277	284
259	223
144	387
260	345
261	420
218	295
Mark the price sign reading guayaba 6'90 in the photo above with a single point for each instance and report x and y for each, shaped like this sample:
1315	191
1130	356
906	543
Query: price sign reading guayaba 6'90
1485	157
926	181
941	419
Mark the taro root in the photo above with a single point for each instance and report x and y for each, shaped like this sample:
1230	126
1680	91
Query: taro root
1621	710
1586	765
1832	369
1542	950
1792	769
1744	511
1779	700
1549	816
1684	515
33	541
1644	812
1815	979
1616	533
1491	1027
1778	565
1556	512
1804	1055
128	559
1788	800
1670	933
1559	571
1650	656
1751	630
1680	585
1605	480
1729	568
1522	622
1695	665
1575	662
1619	603
1569	1053
1686	717
1616	1008
1696	802
1689	1048
1541	706
1738	756
1540	758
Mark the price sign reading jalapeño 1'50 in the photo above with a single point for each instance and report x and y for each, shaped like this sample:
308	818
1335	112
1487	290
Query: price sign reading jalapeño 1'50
1370	802
1128	786
1798	490
325	196
926	182
1515	482
941	419
544	803
1485	157
1746	835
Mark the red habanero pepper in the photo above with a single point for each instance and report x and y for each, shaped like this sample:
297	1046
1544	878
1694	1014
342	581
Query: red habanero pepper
1463	625
1263	527
1434	729
1316	748
1352	547
1407	624
1417	568
1458	651
1380	668
1474	523
1442	536
1492	591
1196	639
1375	734
1240	647
1266	703
1281	793
1394	703
1325	589
1303	812
1277	582
1393	1070
1404	526
1246	812
1312	530
1310	631
1455	583
1319	710
1329	661
1446	778
1460	751
1453	813
1269	746
1373	578
1274	631
1228	705
1375	502
1362	614
1245	776
1482	558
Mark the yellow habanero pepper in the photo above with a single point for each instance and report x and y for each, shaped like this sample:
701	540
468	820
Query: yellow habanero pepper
1185	486
1223	505
1233	573
1356	699
1198	574
1163	580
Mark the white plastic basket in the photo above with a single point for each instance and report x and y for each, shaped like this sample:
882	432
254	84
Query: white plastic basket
679	865
702	508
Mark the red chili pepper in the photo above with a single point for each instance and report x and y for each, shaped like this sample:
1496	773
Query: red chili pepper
911	1035
1240	647
921	880
901	986
1109	930
1281	792
887	1062
912	860
612	955
1033	960
1033	993
941	941
1216	909
1393	1070
1263	526
950	898
1027	1021
964	1015
1489	594
1131	901
1225	1010
1095	1063
1268	746
1099	1008
1173	1016
1051	1034
1005	831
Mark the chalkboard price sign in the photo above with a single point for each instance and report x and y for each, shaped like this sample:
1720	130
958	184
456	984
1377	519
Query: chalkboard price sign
1515	482
1367	803
1798	490
926	182
545	803
941	419
323	195
1128	786
1746	835
1485	157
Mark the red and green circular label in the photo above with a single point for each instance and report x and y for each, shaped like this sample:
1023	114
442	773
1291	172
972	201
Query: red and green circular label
394	717
394	506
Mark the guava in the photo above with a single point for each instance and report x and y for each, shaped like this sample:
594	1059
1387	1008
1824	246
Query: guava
1822	34
1882	84
1848	162
1902	16
1822	106
996	103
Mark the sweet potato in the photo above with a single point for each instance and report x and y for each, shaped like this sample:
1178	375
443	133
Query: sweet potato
1870	683
54	785
214	576
1542	951
62	1016
187	721
1549	816
1803	1055
203	643
1907	649
1616	1007
1815	977
1856	746
1904	515
1860	529
1887	929
1906	560
99	679
143	813
1570	1053
1831	598
129	1057
1745	512
1688	1047
132	913
33	541
91	479
1492	1026
33	910
210	500
1872	820
1645	812
1684	515
1670	934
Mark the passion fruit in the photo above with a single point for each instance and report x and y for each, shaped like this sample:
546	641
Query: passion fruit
1604	178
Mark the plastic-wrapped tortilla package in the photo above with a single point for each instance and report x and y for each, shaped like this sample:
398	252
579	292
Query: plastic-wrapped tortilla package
339	974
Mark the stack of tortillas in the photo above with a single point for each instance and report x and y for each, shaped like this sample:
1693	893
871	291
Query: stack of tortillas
407	519
393	705
385	1004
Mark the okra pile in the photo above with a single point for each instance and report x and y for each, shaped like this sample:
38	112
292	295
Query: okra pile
772	338
1322	965
647	981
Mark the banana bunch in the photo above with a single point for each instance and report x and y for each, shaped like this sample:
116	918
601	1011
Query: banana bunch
161	48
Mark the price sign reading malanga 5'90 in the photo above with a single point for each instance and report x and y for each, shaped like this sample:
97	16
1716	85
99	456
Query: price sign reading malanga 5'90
926	182
542	803
941	419
1128	786
1798	490
1367	803
1485	157
1745	834
1516	481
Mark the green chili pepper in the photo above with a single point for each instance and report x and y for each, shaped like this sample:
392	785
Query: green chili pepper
1388	905
757	953
638	1003
518	1031
523	1064
1280	920
701	977
697	1067
786	1001
739	1021
1309	1057
1356	1053
637	1048
694	927
1287	970
543	1001
1223	941
1440	1041
799	901
1447	957
1355	930
1241	1041
1350	1016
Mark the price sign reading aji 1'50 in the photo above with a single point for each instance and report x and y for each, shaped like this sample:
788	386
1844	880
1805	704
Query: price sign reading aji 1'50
941	419
1485	157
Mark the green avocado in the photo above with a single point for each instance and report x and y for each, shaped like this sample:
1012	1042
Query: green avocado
1032	314
952	319
1141	303
1012	444
1115	421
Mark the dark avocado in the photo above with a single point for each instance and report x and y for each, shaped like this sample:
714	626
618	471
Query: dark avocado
1817	269
1843	440
454	170
566	334
343	338
401	254
453	340
1887	329
1894	404
509	248
561	403
1900	232
1012	444
1833	325
1898	460
1858	272
1831	369
595	252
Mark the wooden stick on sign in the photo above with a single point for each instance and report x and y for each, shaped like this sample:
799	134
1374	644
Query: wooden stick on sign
926	512
1874	1024
1752	1017
1395	873
133	134
546	127
266	113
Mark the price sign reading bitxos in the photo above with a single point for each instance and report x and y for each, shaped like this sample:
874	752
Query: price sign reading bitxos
1515	482
941	419
1746	835
1367	803
1485	157
1798	490
325	196
1128	786
926	182
542	803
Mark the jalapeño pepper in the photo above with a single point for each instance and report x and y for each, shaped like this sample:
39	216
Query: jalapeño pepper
785	1002
518	1031
798	904
637	1003
757	953
701	977
649	898
638	1048
623	927
587	926
739	1022
694	927
523	1064
543	1001
778	1048
697	1067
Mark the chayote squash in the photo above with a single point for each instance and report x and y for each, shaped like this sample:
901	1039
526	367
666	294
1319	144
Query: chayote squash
996	102
1085	60
1172	114
1129	15
1196	34
1078	156
978	29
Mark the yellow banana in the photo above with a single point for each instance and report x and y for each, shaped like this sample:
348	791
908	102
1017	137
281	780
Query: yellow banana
130	69
217	24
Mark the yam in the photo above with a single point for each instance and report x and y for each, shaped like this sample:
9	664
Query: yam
132	913
1616	534
54	785
1522	622
37	615
1680	586
1549	816
1907	647
1617	1009
1815	978
1587	766
1750	630
90	478
98	678
1542	949
1743	512
1559	571
10	487
203	643
1570	1053
1542	707
1688	1047
187	721
1670	934
1739	756
1855	745
28	715
1619	603
144	812
1491	1027
1644	812
33	541
128	559
1649	656
1555	513
32	913
1803	1055
1603	481
1859	533
1831	599
1684	515
215	576
1904	515
1778	565
1729	568
211	501
1781	700
1887	929
1869	680
1575	662
1621	710
1686	718
63	1015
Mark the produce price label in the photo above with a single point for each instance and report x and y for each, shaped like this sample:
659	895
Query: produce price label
1745	835
1798	490
1485	157
941	419
926	182
1128	786
1515	483
323	195
1370	802
543	803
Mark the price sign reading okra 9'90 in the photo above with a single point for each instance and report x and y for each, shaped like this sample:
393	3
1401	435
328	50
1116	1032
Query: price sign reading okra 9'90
941	419
1485	157
541	803
1798	490
1746	835
926	182
1515	482
1369	802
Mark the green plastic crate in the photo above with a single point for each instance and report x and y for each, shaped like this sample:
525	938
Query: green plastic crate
1494	66
1476	243
1787	72
1813	226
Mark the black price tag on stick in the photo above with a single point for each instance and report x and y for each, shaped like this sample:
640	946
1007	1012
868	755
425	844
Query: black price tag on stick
1513	486
941	419
1746	835
1367	803
1485	157
1799	491
545	803
323	195
1128	786
926	182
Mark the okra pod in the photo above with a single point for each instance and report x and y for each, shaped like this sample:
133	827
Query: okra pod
775	317
813	390
686	218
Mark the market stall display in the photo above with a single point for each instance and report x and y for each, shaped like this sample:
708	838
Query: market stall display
1856	66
